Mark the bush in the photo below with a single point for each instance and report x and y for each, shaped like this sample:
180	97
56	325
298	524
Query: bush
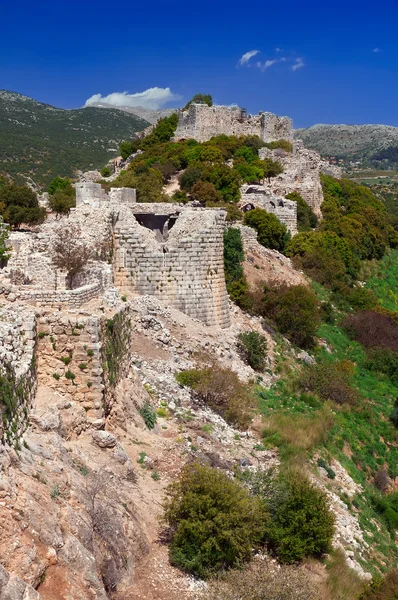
254	348
262	581
330	381
373	329
205	192
201	99
126	148
295	311
301	523
283	144
387	507
214	520
148	413
383	588
222	391
381	480
189	177
394	414
384	361
234	276
106	172
271	232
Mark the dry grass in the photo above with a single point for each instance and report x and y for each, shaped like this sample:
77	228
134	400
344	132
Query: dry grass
342	582
299	433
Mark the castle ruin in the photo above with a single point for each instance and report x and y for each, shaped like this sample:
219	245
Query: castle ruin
201	122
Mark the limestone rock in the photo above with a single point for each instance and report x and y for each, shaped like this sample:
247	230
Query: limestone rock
104	439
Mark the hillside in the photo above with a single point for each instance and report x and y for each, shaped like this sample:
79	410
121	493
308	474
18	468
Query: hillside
148	114
371	146
40	141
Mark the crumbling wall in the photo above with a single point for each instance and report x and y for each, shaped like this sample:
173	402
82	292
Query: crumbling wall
84	356
92	194
301	174
17	370
256	196
202	122
186	270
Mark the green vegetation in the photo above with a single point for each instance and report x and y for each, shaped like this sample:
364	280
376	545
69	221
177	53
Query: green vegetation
215	521
201	99
19	204
222	390
117	331
62	195
234	276
41	142
271	232
105	172
306	218
149	415
253	347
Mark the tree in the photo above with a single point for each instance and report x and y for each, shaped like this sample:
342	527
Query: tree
254	348
271	232
272	168
189	177
205	192
19	205
215	521
200	98
58	183
69	253
295	311
234	276
126	148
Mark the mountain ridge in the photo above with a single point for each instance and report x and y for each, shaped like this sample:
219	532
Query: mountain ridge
41	141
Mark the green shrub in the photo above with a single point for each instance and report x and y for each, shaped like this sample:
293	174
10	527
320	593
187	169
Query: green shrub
189	178
234	277
126	148
149	415
222	390
189	378
383	588
271	233
69	375
394	415
301	523
106	172
254	348
215	521
329	471
330	381
385	361
387	507
283	144
295	311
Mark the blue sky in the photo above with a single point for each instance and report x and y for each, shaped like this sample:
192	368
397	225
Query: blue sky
326	69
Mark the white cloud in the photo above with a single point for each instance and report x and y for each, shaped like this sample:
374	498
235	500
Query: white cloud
298	64
151	98
376	50
278	49
267	64
244	59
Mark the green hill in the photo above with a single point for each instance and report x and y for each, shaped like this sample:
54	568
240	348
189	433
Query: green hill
40	141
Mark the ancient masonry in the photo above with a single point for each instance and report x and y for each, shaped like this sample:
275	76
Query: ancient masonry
257	196
202	122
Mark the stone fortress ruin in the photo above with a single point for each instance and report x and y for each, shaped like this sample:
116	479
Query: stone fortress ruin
202	122
169	251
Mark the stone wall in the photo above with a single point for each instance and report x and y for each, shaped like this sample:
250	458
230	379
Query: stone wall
92	194
257	196
301	174
17	367
185	269
201	122
74	352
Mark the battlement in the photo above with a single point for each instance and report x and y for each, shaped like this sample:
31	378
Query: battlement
202	122
93	194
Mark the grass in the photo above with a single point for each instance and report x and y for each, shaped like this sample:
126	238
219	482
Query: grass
360	437
382	279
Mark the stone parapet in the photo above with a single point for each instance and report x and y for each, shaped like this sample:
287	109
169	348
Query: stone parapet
257	196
